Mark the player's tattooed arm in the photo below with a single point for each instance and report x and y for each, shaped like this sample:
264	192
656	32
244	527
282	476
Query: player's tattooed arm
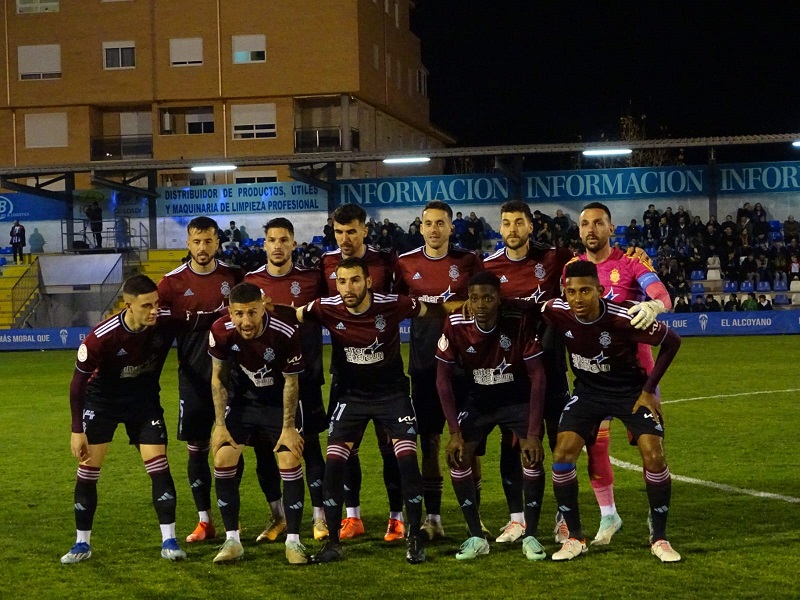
290	438
219	393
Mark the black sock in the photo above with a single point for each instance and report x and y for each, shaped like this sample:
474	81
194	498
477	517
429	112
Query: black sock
332	487
464	487
392	478
477	482
293	494
269	477
510	472
565	488
406	451
352	479
164	494
315	468
533	489
227	485
432	491
86	497
659	492
199	475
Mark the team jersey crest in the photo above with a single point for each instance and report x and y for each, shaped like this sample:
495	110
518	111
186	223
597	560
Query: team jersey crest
225	289
295	288
380	323
614	277
269	355
605	339
505	342
454	272
539	271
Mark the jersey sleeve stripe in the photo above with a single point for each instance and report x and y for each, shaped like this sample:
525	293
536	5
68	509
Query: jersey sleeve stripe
176	270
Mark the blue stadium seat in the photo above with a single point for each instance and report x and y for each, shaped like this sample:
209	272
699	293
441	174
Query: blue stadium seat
698	288
260	241
499	245
620	230
3	262
698	275
780	300
651	252
763	286
317	240
780	287
774	225
775	236
730	287
746	286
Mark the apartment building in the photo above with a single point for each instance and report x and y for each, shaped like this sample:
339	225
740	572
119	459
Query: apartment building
99	80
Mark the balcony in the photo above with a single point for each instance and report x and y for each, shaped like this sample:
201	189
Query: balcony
323	139
122	147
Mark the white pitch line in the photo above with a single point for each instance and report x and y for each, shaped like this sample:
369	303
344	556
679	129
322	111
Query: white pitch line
717	486
730	395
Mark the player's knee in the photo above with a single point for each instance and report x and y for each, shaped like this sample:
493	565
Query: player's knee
429	444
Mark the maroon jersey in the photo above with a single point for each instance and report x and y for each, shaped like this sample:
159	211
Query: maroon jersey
604	353
183	290
535	277
257	365
125	365
433	280
494	361
297	287
366	347
380	264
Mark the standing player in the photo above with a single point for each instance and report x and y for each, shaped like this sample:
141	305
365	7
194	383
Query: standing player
286	283
365	333
624	278
530	271
609	380
256	359
200	285
434	273
350	230
501	355
116	381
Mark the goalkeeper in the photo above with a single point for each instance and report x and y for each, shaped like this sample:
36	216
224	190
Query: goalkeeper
623	277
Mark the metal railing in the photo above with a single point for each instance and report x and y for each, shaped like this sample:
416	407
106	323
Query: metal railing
110	287
121	147
23	291
324	139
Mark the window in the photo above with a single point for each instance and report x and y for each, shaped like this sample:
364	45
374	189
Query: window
190	120
249	49
422	82
252	121
256	177
46	130
119	55
185	52
39	62
36	6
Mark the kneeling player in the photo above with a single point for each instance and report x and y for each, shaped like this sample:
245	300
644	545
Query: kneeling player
501	356
609	380
258	357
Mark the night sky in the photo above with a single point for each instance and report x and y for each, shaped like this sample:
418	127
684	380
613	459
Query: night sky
528	72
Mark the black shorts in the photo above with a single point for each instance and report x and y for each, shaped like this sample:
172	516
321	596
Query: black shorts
196	409
251	421
477	421
585	412
310	410
143	423
352	413
430	418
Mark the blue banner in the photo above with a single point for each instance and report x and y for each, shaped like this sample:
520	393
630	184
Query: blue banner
759	178
598	184
279	197
409	191
43	339
27	207
770	322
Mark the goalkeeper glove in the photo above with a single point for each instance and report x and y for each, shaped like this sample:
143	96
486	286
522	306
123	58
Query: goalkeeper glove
645	313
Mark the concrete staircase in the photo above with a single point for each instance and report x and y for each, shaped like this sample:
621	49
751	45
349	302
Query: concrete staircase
9	276
158	263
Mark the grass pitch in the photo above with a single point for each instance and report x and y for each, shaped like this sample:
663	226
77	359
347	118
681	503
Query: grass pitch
735	428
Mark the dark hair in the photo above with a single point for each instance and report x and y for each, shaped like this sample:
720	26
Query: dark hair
581	268
244	293
202	224
351	262
279	223
349	212
517	206
439	205
138	285
485	278
599	205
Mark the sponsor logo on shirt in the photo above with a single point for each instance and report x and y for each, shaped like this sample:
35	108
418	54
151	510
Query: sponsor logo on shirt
188	292
364	356
493	376
591	365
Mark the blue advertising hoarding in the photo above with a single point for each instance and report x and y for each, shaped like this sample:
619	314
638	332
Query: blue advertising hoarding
27	207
